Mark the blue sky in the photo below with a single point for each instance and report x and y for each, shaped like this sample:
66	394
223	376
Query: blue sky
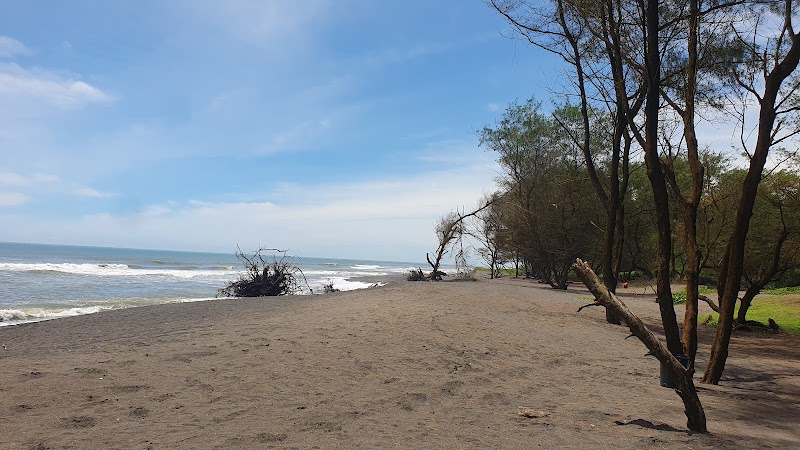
338	128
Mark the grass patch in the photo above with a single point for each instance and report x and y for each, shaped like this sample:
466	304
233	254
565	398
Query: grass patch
700	290
785	312
501	271
782	291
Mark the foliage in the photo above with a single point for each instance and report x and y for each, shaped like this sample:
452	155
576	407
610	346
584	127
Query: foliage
706	290
493	235
678	298
790	278
266	276
629	275
503	271
791	290
544	209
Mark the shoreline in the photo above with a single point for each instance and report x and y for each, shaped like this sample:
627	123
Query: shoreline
409	365
38	314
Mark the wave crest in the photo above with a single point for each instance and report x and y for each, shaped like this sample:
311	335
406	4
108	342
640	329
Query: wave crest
110	270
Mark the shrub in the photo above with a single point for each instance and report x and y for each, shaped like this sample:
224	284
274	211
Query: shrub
678	298
264	277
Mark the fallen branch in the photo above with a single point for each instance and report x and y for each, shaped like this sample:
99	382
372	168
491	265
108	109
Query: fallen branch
696	417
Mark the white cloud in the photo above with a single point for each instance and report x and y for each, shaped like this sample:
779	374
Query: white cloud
43	185
11	47
91	193
19	85
378	219
12	199
19	180
156	210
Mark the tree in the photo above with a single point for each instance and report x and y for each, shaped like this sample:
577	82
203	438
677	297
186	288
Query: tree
772	246
548	215
492	234
572	31
450	230
776	61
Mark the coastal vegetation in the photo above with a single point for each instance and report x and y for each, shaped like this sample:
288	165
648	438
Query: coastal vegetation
615	172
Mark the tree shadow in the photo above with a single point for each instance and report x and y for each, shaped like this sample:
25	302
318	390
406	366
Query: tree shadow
647	424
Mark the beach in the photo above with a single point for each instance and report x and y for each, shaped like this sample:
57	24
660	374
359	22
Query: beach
408	365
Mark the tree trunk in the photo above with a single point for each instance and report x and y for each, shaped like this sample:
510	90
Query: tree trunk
693	201
744	304
766	276
695	415
657	180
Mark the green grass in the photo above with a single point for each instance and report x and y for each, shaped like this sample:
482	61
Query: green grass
785	312
501	271
782	291
679	298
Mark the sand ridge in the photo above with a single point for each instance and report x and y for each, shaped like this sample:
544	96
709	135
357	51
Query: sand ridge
409	365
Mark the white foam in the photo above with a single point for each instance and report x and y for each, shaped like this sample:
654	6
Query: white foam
110	270
341	273
192	300
17	316
344	284
365	267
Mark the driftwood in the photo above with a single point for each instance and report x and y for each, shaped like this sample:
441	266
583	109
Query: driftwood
265	278
696	417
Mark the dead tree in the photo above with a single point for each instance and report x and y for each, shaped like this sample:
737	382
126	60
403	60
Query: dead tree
696	417
449	230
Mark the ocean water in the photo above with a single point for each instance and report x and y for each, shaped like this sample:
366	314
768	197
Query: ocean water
41	282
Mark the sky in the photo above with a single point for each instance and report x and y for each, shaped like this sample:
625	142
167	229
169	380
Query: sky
332	128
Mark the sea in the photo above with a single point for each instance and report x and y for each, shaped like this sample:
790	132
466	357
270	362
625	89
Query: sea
42	281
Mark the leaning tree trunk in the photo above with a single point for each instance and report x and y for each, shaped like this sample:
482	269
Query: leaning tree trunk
695	415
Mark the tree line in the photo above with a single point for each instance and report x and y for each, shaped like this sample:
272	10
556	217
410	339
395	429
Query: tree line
616	173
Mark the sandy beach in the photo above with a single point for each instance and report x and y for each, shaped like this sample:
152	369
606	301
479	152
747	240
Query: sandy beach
409	365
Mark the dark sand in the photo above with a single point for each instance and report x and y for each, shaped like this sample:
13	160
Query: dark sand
410	365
